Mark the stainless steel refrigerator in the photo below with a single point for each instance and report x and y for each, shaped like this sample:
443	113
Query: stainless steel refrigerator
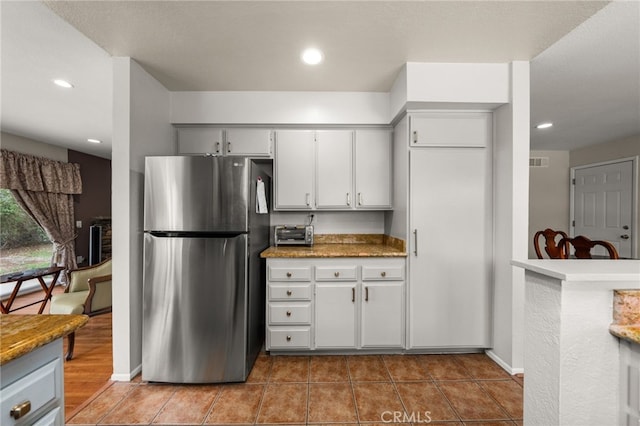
204	283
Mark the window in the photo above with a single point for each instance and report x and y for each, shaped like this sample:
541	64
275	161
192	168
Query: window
23	243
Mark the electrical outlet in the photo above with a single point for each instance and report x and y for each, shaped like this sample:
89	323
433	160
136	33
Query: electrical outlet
78	224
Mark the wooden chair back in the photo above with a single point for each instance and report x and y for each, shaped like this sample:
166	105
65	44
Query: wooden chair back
552	248
583	246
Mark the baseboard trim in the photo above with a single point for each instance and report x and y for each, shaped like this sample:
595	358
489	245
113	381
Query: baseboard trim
127	377
506	367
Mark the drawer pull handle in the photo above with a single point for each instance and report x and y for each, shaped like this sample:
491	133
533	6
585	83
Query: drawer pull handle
336	274
353	295
383	274
288	274
20	410
289	293
288	313
288	338
366	294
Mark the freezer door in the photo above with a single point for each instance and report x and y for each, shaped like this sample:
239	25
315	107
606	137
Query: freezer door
194	309
199	194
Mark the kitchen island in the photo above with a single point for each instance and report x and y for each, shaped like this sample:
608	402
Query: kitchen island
31	367
571	360
344	294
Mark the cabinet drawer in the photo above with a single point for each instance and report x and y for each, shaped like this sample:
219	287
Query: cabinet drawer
382	273
38	387
289	291
300	273
289	338
339	273
52	418
289	313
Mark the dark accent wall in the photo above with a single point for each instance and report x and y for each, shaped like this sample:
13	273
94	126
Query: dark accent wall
95	200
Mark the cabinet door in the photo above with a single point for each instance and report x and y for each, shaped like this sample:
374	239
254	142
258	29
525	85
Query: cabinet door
253	142
199	140
334	168
373	168
335	325
382	314
294	169
449	294
462	129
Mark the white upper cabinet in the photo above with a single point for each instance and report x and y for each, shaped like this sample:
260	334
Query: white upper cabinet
373	169
459	129
252	142
351	170
200	140
294	169
334	169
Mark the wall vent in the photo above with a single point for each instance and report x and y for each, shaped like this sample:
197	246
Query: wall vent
539	162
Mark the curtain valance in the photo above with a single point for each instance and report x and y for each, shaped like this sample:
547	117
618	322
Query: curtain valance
30	173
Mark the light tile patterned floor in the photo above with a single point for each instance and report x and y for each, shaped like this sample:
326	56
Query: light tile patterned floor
300	390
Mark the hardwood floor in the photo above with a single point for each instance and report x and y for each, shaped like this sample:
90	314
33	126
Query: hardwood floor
92	363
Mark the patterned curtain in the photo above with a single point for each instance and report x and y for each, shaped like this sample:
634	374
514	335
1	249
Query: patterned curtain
44	189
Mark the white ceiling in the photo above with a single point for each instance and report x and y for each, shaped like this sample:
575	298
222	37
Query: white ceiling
255	45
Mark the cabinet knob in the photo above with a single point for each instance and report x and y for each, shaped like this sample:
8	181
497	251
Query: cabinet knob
383	274
336	274
20	410
288	313
288	338
289	293
288	274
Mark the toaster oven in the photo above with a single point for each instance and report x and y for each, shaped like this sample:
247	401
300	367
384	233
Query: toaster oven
293	235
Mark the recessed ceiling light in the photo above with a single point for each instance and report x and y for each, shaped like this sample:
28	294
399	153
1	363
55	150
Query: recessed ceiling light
544	125
94	141
63	83
312	56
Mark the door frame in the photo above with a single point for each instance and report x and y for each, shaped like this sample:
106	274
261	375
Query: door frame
634	197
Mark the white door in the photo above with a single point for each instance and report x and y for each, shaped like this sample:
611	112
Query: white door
334	168
450	251
294	169
335	325
603	204
382	314
373	168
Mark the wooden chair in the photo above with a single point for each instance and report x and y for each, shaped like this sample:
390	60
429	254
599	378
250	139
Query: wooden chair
583	246
551	247
88	292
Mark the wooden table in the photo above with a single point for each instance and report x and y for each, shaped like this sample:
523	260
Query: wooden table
20	277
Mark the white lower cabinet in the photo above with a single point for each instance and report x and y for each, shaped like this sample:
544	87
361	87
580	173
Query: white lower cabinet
32	388
354	304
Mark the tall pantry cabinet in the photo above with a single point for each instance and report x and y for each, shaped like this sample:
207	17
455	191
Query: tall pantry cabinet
449	228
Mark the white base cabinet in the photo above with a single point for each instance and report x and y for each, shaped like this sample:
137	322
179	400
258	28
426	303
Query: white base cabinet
355	303
34	380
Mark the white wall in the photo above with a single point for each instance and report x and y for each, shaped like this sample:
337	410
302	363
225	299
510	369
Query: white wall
548	195
17	143
511	189
357	222
280	108
141	126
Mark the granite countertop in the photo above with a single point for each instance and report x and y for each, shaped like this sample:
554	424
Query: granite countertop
21	334
342	245
626	315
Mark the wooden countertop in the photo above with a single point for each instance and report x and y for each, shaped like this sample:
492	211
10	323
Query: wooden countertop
21	334
342	245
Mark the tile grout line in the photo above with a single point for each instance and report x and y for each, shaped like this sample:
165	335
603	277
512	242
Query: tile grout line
124	396
155	416
208	413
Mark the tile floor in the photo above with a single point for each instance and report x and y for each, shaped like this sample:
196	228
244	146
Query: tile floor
299	390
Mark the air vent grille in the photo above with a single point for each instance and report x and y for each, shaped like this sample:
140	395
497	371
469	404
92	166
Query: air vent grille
539	162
